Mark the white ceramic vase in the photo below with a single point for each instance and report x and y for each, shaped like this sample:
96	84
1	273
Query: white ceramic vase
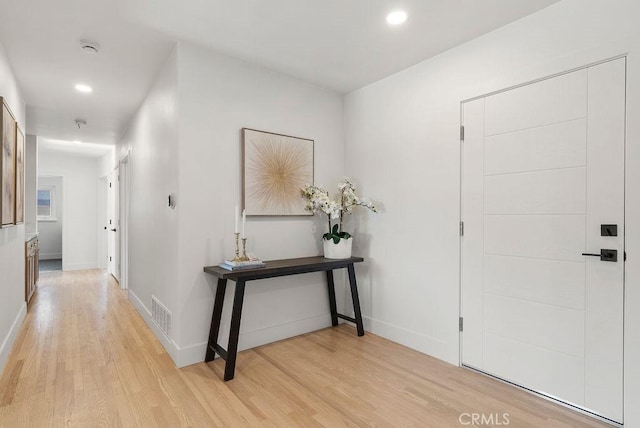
341	250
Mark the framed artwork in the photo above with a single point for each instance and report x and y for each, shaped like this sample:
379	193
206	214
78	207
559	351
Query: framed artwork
8	168
19	215
275	167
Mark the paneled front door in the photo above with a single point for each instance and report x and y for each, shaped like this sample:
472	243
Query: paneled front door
543	245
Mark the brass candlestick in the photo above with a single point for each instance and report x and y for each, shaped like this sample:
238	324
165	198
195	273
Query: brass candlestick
237	258
244	257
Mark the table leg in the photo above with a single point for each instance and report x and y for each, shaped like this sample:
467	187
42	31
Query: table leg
236	314
332	298
215	319
355	299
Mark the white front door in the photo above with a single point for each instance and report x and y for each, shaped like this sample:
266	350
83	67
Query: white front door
543	183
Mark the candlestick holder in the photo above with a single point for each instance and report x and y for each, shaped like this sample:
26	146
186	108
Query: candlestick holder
237	258
244	257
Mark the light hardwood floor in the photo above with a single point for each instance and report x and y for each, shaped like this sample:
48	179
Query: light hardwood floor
85	358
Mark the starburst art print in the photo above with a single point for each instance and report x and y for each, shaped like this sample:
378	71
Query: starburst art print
275	168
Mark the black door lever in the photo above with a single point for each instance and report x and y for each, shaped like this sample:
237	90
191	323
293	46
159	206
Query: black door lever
605	255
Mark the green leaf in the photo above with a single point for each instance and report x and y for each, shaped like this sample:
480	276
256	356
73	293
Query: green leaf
335	229
336	239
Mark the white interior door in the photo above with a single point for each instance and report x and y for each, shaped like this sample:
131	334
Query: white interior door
543	170
103	222
114	225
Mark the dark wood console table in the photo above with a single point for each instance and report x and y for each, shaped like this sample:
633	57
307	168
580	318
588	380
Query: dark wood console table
274	268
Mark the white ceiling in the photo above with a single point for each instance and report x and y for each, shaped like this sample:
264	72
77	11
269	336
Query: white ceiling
338	44
89	150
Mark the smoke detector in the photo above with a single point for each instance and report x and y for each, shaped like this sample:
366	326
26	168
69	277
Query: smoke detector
80	123
89	46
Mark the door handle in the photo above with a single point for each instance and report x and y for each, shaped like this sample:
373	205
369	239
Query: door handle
113	230
605	255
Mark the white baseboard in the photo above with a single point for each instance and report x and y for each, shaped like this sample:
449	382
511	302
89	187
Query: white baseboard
78	266
193	354
10	338
410	338
50	256
167	343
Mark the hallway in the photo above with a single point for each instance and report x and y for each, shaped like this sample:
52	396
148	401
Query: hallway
84	358
50	265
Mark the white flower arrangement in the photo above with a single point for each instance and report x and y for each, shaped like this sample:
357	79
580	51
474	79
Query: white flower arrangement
318	200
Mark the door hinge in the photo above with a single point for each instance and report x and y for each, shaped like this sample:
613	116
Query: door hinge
462	228
461	323
461	132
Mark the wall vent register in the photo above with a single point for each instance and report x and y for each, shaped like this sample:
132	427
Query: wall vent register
161	315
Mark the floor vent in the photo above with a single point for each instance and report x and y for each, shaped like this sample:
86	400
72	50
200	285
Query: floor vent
161	315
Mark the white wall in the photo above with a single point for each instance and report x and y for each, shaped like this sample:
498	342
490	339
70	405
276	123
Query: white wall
31	183
50	231
185	139
12	297
79	228
152	138
107	163
218	97
402	144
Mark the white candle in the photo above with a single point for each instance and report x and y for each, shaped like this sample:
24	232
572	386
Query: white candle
244	220
236	219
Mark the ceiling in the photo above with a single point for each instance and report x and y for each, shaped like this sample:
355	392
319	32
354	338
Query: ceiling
341	45
75	148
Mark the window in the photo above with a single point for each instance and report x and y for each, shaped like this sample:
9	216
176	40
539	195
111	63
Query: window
46	206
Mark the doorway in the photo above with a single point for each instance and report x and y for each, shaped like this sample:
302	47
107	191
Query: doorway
50	214
103	221
113	226
542	205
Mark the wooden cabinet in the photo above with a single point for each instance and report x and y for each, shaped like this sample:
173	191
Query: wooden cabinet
32	253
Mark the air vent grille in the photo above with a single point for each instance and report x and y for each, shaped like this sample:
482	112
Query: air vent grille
161	315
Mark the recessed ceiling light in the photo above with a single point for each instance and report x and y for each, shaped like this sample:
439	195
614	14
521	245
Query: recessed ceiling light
397	17
81	87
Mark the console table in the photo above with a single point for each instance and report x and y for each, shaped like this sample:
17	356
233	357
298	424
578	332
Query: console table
272	269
